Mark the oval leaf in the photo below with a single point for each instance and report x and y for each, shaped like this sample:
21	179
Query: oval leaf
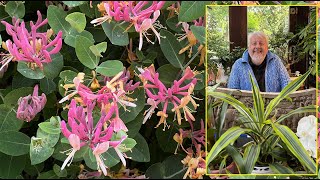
11	166
12	97
116	33
77	20
73	3
52	70
110	68
86	57
39	152
140	152
199	32
47	85
170	47
14	143
15	9
8	120
191	10
56	19
29	73
71	37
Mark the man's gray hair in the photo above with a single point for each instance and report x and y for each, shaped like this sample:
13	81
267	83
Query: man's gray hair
259	34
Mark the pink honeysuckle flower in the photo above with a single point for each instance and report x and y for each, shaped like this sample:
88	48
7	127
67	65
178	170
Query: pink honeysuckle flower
74	141
31	47
98	150
29	106
116	145
123	83
177	94
145	26
118	123
147	114
135	13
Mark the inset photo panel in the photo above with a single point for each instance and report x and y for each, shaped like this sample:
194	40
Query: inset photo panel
261	111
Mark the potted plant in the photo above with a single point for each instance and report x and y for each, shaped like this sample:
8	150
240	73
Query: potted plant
273	144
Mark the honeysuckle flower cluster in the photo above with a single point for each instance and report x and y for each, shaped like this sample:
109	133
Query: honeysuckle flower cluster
125	173
192	39
32	47
136	13
196	136
195	163
178	94
307	133
83	133
29	106
80	119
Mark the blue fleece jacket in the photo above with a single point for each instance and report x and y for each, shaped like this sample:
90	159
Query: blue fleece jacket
276	75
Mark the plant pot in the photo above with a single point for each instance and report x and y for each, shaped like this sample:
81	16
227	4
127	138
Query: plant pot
232	168
262	170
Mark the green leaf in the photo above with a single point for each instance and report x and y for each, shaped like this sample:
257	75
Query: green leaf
59	173
127	144
116	33
8	120
49	140
47	85
291	87
140	152
200	33
73	3
251	155
280	169
237	158
99	48
258	104
4	17
170	168
39	152
56	19
310	108
86	57
33	170
132	112
52	127
48	175
167	74
11	166
15	9
71	37
165	139
191	10
155	171
87	10
29	73
172	22
12	97
14	143
52	70
135	125
239	106
77	20
170	48
110	68
19	81
295	146
226	139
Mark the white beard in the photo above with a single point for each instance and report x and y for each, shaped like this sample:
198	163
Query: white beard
257	58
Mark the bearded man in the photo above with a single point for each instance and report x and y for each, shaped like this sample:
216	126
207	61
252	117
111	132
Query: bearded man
269	72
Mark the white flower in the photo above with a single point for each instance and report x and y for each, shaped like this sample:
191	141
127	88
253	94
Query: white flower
307	133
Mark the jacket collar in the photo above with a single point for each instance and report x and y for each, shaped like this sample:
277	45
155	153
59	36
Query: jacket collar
245	56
